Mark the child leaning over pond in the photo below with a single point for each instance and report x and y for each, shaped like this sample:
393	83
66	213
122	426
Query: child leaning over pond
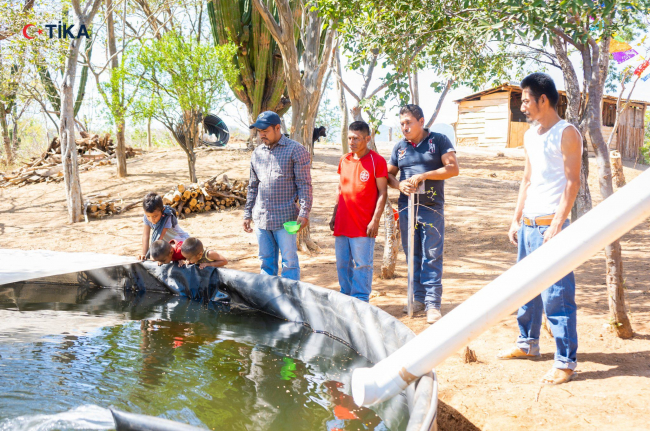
194	253
160	223
165	252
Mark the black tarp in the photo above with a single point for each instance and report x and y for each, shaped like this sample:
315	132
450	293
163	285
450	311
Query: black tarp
368	330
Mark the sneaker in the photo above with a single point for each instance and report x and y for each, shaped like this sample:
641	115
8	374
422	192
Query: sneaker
433	315
417	307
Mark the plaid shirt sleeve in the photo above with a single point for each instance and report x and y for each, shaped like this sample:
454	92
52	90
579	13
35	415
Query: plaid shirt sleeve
302	175
253	186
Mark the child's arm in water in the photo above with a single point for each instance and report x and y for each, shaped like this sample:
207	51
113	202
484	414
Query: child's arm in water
218	260
146	232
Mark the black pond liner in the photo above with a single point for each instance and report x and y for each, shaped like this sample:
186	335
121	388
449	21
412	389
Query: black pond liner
217	130
368	330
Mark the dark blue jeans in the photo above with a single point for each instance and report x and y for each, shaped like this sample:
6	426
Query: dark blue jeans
558	302
427	253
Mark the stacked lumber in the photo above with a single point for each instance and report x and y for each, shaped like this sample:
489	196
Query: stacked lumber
211	195
101	205
93	151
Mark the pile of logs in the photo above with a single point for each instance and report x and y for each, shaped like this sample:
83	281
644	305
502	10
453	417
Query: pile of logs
93	151
213	194
91	144
99	205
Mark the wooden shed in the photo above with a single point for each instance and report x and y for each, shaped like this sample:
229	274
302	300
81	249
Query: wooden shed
493	118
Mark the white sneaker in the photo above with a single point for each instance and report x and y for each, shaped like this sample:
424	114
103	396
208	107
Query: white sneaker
433	315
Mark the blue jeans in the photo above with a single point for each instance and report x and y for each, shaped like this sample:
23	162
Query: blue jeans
271	242
558	302
354	258
427	253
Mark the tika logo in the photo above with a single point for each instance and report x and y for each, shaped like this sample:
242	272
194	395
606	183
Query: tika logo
63	31
364	176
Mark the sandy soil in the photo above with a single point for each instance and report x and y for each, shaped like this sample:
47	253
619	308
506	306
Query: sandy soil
613	382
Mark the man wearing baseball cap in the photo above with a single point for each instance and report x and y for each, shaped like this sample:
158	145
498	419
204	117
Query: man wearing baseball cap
280	175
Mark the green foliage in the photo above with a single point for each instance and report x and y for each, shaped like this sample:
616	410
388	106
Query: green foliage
180	75
181	81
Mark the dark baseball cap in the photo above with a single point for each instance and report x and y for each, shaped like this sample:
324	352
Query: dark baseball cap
266	119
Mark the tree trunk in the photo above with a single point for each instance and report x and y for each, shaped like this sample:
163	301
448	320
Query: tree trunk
416	89
614	263
120	150
149	142
5	135
583	202
343	105
392	242
74	198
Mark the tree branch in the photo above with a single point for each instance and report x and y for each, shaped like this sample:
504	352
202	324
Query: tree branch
271	23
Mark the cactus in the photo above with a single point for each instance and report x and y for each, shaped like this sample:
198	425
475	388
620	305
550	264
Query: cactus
261	84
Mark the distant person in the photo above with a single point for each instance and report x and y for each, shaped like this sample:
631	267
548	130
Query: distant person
165	252
550	185
429	158
279	176
160	222
194	254
362	193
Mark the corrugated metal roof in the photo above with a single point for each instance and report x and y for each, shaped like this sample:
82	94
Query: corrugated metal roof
515	85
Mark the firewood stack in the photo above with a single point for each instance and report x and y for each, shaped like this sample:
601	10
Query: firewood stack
100	205
93	151
211	195
91	144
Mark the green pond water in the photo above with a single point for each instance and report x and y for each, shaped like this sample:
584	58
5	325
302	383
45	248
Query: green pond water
67	353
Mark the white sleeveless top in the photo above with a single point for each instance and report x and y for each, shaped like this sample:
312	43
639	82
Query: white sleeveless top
547	179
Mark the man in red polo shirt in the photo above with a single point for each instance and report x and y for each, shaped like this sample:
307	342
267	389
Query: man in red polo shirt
362	193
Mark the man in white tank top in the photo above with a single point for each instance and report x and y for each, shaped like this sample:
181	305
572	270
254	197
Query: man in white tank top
551	181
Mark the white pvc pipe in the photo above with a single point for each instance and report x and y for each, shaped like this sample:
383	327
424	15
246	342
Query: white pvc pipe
601	226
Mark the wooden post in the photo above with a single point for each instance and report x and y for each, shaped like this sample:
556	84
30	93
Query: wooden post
617	168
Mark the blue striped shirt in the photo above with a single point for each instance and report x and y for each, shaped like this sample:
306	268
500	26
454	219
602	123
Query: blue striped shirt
279	177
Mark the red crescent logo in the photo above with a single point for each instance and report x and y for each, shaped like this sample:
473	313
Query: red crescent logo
25	31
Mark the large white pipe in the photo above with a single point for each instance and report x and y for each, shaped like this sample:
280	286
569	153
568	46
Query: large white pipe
524	281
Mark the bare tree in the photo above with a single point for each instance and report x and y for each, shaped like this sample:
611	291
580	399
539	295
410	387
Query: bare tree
120	125
303	72
595	65
68	145
343	105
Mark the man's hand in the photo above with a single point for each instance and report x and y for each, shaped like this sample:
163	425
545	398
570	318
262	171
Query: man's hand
142	257
159	263
247	225
373	228
406	187
332	223
512	233
416	179
304	222
203	265
552	230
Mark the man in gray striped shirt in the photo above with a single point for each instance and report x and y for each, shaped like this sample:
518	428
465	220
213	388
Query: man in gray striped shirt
280	177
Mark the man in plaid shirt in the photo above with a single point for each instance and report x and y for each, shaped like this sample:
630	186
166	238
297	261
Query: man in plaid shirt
280	176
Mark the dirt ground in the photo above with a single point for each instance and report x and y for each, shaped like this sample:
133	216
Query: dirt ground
613	383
